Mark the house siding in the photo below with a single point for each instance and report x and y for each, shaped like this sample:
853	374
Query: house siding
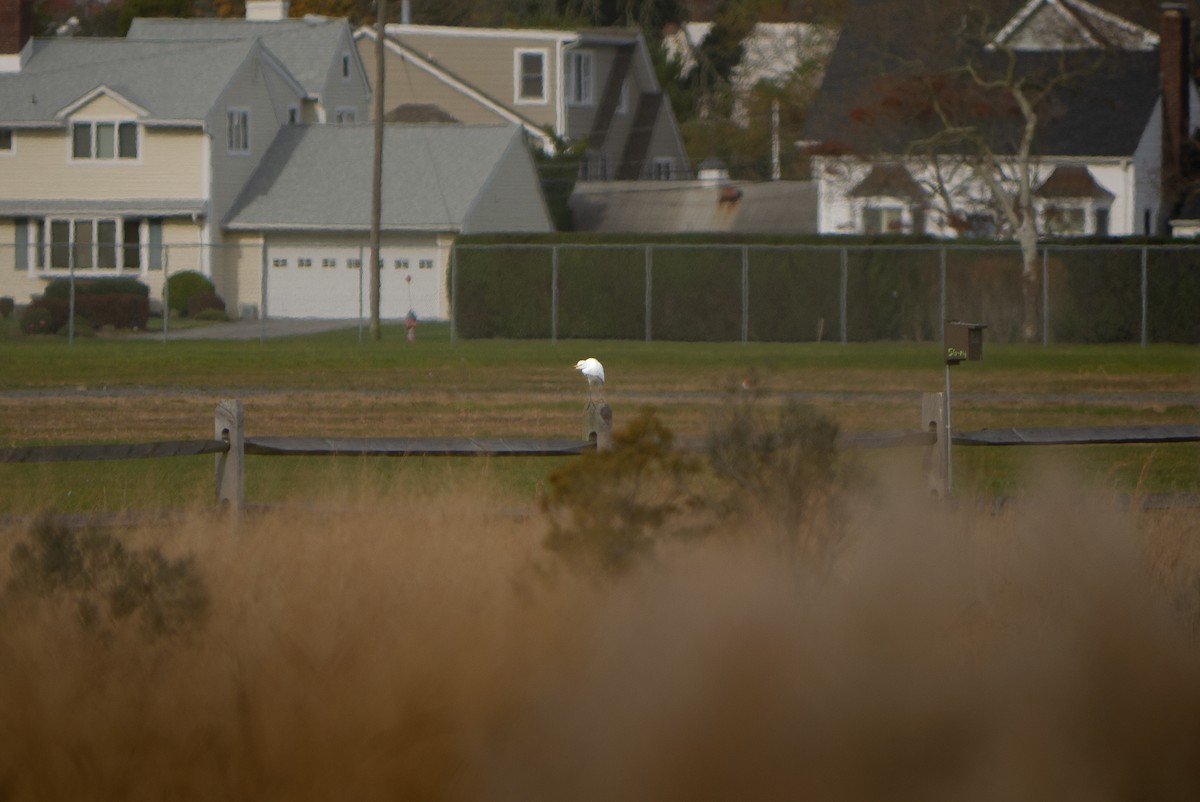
409	83
168	166
488	65
353	92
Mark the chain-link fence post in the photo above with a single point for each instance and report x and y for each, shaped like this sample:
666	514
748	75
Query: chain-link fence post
649	285
745	295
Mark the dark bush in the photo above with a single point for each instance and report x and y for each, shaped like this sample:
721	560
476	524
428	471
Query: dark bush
7	305
183	286
118	311
106	583
37	320
61	288
203	301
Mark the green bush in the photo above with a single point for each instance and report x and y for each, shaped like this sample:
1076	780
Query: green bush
212	314
183	286
83	328
118	311
7	305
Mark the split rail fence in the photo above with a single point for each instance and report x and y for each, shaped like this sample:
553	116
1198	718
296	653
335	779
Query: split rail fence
230	445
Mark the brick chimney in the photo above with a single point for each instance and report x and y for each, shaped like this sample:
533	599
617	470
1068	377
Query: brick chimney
16	31
1175	61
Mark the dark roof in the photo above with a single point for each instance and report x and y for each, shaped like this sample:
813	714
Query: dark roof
1072	181
888	181
419	113
1102	112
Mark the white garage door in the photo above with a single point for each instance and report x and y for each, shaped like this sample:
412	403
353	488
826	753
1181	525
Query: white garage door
309	281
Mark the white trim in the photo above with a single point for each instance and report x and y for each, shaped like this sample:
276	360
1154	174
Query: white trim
1150	39
229	112
105	161
573	58
519	54
87	98
399	29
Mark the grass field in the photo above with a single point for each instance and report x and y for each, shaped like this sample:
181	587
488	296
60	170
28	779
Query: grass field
411	629
119	389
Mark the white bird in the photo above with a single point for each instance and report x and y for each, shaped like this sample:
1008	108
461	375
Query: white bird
593	370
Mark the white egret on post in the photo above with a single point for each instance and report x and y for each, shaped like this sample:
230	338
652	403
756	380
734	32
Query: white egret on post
593	371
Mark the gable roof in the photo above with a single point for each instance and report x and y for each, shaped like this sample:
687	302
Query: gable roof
306	47
1071	25
316	177
1102	112
172	82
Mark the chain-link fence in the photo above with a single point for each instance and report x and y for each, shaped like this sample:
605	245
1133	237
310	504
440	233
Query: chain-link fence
794	293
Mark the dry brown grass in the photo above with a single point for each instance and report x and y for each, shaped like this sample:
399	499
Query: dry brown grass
424	646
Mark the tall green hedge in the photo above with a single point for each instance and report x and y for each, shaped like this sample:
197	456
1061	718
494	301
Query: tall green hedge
794	289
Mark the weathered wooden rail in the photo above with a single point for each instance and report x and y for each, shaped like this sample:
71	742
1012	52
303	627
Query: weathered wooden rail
230	445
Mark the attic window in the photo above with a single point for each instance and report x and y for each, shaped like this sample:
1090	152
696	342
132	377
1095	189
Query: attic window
104	140
238	130
345	66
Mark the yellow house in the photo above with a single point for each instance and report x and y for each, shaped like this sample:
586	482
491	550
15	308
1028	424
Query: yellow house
122	157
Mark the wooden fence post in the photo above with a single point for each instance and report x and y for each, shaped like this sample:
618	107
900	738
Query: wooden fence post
229	426
933	420
597	425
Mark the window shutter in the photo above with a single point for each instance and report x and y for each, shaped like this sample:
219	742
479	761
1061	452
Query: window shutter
21	243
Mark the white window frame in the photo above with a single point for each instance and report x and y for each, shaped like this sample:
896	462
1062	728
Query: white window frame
658	165
42	263
518	74
581	90
345	111
117	124
11	150
232	113
886	211
401	264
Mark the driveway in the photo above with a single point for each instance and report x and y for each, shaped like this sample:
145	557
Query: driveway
253	329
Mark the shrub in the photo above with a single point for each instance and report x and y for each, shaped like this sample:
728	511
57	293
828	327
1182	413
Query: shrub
183	286
37	320
118	311
214	315
7	305
83	328
203	302
60	288
107	583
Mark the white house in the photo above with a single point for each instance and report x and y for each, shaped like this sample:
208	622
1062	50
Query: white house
1102	161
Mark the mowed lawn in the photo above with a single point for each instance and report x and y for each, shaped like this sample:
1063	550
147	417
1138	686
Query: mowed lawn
122	389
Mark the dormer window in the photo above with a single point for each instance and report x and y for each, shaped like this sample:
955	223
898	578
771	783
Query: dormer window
238	130
531	76
104	140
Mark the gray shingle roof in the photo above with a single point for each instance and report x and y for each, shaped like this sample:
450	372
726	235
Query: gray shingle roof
171	80
307	47
319	177
1103	112
652	207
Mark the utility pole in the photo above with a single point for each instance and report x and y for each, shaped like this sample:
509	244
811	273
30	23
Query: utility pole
377	172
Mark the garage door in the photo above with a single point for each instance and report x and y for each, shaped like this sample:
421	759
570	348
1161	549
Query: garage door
305	281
